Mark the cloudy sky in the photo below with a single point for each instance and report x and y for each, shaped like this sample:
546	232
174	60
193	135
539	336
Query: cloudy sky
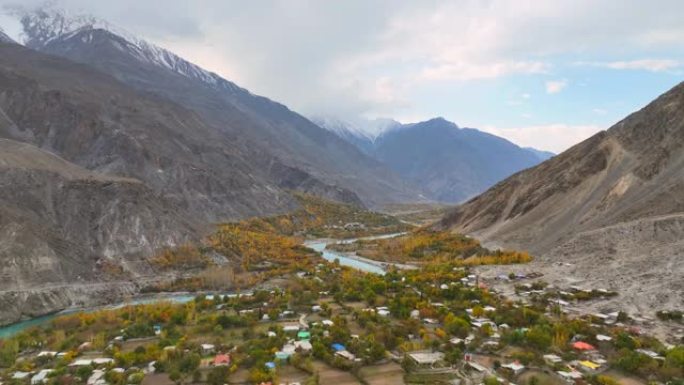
540	73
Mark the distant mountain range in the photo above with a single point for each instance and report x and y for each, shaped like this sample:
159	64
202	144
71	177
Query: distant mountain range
114	148
612	207
451	163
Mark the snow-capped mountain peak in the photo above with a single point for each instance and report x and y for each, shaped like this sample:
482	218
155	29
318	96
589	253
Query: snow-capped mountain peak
45	26
365	129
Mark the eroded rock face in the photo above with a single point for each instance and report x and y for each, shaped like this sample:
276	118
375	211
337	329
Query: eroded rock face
24	304
70	237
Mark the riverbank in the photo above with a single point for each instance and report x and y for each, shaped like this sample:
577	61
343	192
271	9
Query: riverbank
68	299
13	328
352	259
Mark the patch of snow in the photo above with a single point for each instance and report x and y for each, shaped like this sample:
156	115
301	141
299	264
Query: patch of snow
44	26
368	129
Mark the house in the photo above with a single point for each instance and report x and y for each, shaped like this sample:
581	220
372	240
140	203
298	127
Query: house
47	354
354	226
270	365
303	335
41	377
346	355
151	367
85	346
285	353
97	378
515	367
588	366
316	308
338	347
81	362
291	328
327	322
552	359
221	360
303	345
649	353
415	314
271	334
477	367
207	348
456	341
570	377
580	345
426	358
601	337
383	313
20	375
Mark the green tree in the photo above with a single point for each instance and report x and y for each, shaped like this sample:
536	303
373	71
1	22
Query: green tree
218	375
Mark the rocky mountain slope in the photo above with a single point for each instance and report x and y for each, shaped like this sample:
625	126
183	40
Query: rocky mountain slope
63	227
100	170
94	121
4	38
451	163
289	150
612	206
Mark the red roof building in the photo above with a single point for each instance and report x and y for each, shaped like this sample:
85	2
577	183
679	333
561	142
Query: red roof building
221	359
579	345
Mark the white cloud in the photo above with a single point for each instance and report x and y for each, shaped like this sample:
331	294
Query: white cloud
599	111
653	65
385	57
552	137
463	70
555	86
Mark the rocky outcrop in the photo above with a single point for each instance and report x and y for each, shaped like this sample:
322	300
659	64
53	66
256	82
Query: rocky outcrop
64	229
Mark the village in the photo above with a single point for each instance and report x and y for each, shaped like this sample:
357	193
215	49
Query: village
335	325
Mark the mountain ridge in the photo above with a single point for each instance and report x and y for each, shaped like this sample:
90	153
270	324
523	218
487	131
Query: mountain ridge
250	121
610	207
452	163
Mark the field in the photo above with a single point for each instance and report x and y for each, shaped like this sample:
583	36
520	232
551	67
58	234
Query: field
330	375
385	374
542	378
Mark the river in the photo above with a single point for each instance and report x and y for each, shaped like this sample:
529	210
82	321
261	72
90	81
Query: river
10	330
354	260
318	245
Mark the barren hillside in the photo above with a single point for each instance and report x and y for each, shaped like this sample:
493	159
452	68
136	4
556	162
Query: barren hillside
612	206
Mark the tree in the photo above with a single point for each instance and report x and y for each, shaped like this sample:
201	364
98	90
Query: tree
84	372
197	376
175	376
675	358
605	380
539	337
456	326
8	352
218	375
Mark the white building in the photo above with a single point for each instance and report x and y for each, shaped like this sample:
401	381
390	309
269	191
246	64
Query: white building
207	348
97	378
41	377
514	367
